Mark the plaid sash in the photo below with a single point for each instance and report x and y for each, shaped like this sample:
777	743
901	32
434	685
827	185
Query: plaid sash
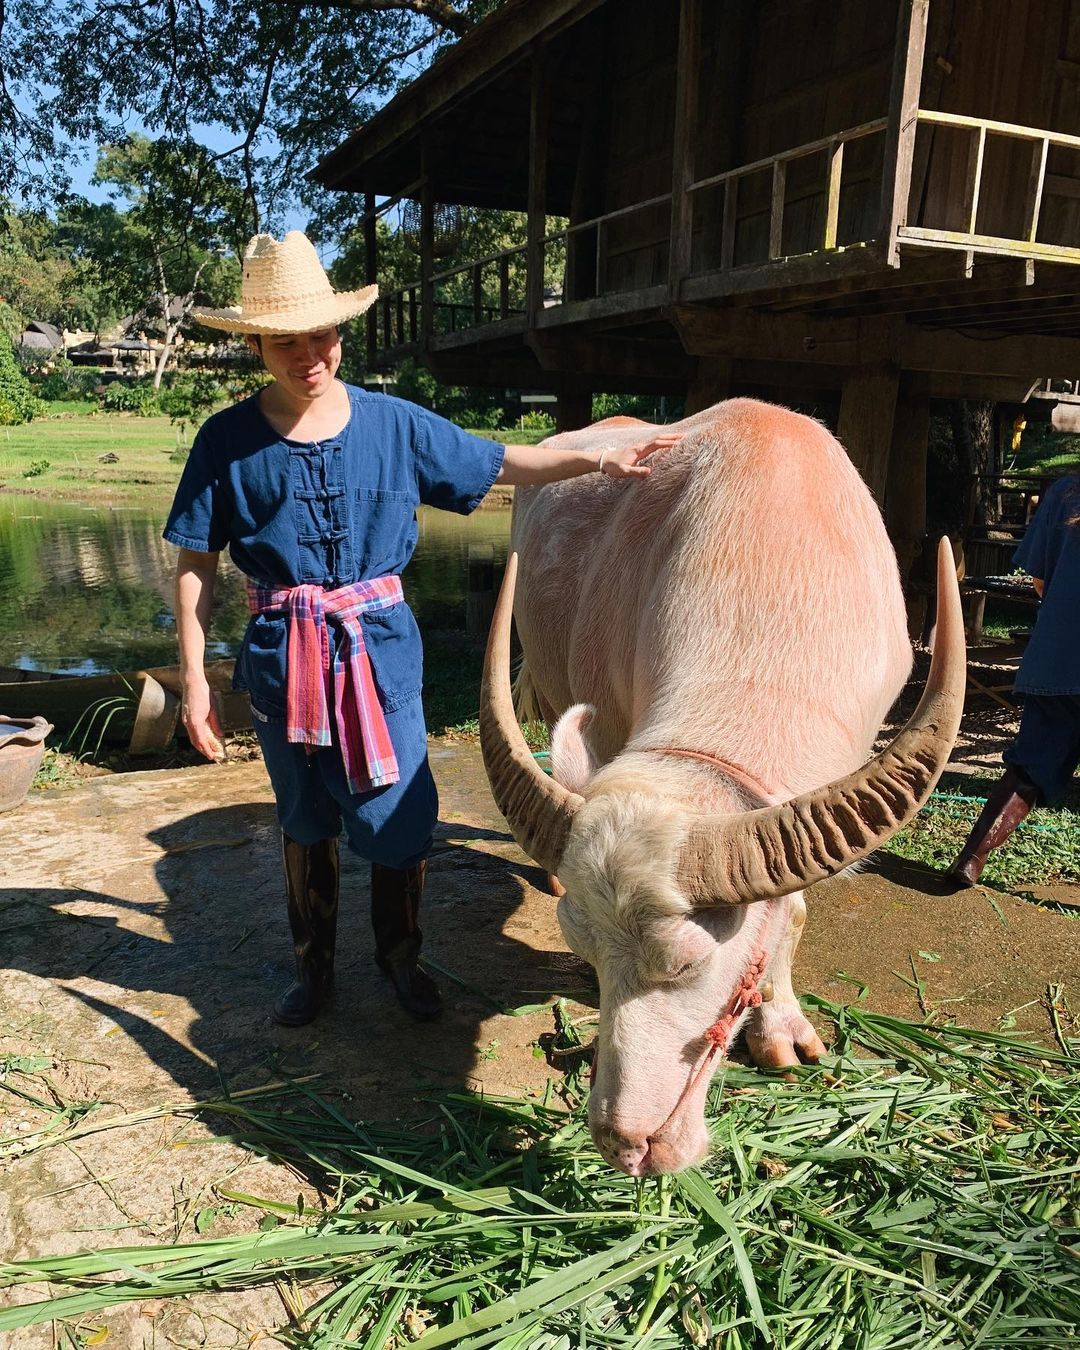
312	669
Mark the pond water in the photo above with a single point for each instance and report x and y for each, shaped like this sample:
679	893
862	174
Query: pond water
87	590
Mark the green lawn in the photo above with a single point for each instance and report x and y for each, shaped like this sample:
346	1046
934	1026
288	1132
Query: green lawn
71	446
147	467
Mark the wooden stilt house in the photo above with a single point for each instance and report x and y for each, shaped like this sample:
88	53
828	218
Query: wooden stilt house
873	201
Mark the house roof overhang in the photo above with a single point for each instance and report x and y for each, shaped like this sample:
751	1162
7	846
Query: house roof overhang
470	111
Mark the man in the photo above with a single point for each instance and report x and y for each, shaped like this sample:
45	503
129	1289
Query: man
312	485
1041	761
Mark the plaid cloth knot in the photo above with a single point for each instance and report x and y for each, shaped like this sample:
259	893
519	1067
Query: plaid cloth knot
314	668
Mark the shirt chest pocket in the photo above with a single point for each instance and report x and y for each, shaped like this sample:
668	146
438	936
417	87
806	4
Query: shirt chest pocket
384	530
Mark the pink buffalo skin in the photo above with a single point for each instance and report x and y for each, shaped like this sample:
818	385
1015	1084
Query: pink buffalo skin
742	602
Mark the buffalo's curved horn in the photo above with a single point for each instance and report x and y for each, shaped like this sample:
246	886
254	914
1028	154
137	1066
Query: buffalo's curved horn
538	810
779	849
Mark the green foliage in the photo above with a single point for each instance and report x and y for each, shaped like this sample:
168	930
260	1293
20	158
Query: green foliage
649	407
42	277
59	382
17	401
140	397
188	397
537	421
1043	450
278	82
37	468
1045	848
418	385
475	408
11	324
56	770
188	394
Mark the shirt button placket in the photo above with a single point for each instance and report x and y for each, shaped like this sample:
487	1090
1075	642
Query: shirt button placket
330	551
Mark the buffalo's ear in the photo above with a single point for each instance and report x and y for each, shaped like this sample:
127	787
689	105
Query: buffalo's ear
572	762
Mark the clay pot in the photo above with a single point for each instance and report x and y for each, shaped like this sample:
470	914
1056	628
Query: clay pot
22	744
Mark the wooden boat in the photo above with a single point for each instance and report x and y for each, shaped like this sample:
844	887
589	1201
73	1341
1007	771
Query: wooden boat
141	707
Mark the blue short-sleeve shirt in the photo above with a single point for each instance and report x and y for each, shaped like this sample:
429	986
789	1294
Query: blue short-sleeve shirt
326	513
1050	549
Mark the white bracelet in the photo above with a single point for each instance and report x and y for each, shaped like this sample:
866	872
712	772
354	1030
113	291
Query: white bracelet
602	454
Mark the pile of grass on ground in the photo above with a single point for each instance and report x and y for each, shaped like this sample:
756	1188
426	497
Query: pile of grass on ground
1045	848
922	1195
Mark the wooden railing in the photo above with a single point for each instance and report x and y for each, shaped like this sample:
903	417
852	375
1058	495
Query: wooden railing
496	290
1026	244
401	321
833	148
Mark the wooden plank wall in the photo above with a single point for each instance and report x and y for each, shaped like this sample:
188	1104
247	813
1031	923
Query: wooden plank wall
1011	61
806	69
776	74
642	38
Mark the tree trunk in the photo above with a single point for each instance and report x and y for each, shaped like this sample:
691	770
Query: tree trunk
166	351
973	438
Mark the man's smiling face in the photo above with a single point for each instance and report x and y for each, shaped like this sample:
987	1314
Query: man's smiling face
303	364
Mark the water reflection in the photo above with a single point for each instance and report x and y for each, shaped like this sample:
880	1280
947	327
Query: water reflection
89	589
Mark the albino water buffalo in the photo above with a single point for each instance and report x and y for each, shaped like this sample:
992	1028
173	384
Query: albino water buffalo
719	644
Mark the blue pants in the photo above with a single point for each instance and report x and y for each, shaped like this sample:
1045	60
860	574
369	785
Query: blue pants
1047	746
390	825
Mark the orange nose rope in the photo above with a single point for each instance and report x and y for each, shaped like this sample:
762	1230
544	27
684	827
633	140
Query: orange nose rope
718	1035
746	995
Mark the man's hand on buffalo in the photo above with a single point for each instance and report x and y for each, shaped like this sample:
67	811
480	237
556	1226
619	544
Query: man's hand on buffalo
533	465
625	461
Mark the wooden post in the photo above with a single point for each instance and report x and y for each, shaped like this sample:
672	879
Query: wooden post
504	286
727	229
371	272
682	168
477	295
427	249
832	193
905	495
867	409
573	410
1036	181
776	210
711	383
537	210
480	590
903	122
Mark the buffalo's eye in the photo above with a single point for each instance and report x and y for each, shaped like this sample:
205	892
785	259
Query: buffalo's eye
688	968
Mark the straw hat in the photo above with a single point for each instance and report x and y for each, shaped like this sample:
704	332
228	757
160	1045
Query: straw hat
285	290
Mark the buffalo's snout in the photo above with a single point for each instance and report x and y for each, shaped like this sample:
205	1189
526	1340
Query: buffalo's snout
627	1154
649	1155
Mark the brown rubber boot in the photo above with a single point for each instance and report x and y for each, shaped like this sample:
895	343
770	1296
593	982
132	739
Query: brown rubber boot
395	913
1008	803
311	881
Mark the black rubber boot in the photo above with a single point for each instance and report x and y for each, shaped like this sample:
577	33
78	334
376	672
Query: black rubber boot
1008	803
311	881
395	912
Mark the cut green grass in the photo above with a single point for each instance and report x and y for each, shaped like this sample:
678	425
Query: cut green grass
920	1195
1044	850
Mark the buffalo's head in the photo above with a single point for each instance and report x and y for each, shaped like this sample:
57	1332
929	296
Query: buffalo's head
673	907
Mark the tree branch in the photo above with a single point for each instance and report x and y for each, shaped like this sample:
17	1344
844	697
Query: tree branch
439	12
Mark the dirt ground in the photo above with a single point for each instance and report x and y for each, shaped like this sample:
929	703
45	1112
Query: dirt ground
143	933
